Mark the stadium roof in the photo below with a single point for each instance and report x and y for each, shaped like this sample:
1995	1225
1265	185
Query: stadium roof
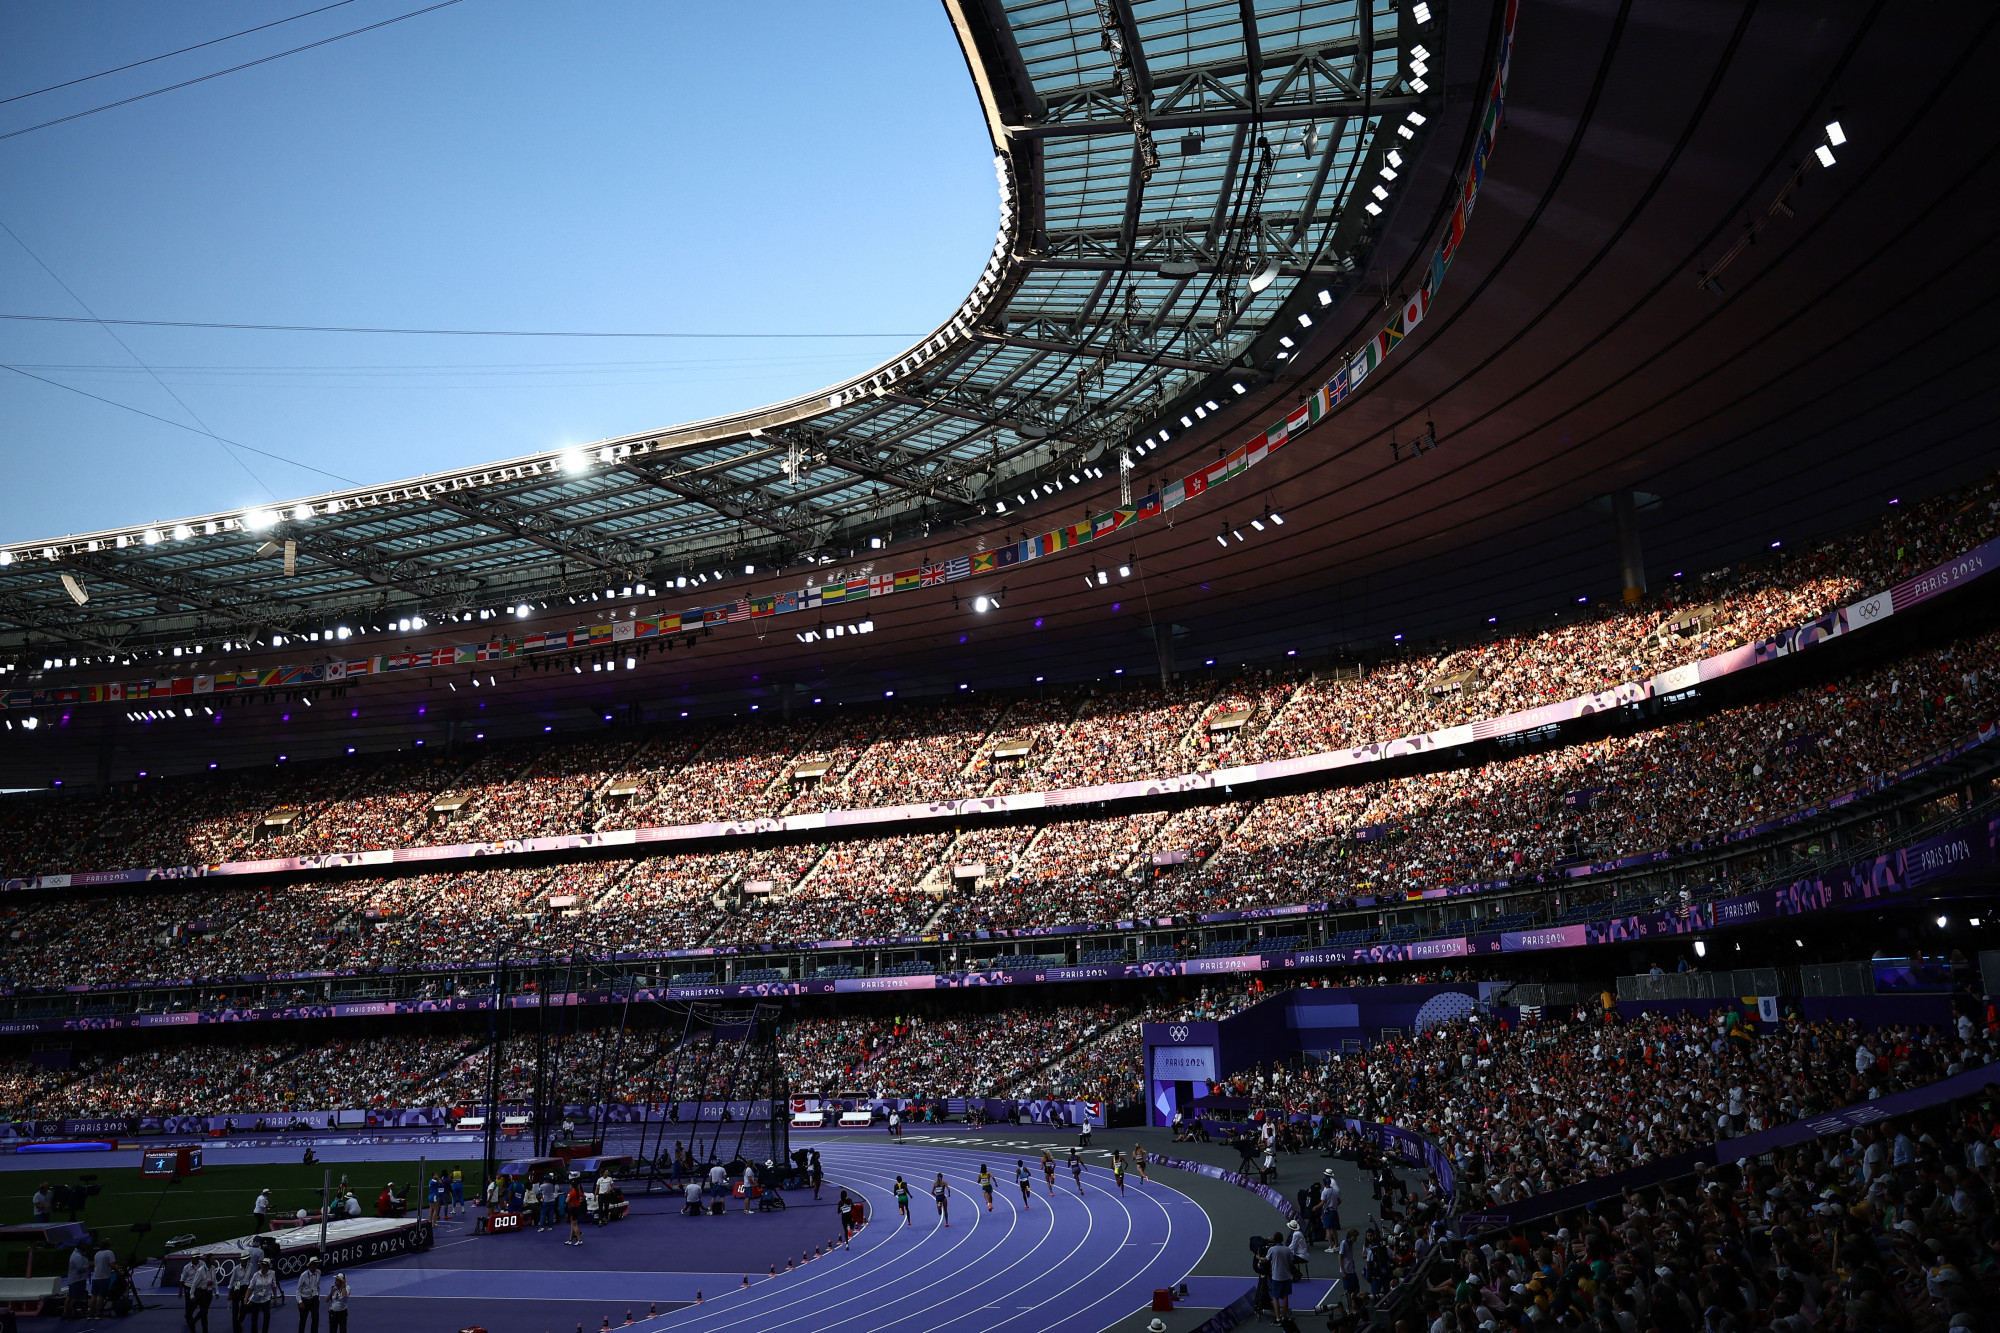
1665	287
1171	180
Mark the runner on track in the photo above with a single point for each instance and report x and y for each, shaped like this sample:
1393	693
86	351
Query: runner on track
941	1192
986	1183
1076	1171
903	1200
1139	1163
1025	1181
1118	1169
1049	1172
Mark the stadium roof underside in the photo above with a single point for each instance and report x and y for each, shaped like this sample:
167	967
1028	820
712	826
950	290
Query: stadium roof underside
1177	182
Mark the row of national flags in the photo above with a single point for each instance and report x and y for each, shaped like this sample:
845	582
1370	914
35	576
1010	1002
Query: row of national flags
866	587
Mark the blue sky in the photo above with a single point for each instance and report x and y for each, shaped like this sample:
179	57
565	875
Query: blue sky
493	165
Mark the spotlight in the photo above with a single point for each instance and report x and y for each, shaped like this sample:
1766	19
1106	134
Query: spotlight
1124	571
980	604
1943	921
1824	154
1834	134
1700	949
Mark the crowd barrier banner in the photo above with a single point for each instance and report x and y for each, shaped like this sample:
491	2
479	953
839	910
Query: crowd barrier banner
1236	1178
1947	577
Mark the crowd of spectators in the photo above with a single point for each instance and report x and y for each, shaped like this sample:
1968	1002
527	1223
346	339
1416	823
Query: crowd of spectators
966	1055
1083	736
1527	1107
1826	1236
857	890
1072	870
1674	786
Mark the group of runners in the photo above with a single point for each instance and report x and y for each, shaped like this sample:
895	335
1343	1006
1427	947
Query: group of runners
941	1190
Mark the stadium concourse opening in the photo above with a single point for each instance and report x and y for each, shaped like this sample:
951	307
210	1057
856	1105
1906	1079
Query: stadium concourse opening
1499	830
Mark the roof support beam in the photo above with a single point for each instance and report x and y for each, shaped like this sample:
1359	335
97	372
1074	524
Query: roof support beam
442	589
74	627
185	589
1220	116
1133	357
574	541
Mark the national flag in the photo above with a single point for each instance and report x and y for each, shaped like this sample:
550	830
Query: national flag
1255	454
535	643
1364	361
1321	402
740	611
1078	533
714	615
881	585
668	624
832	594
1103	523
600	634
113	693
1027	549
984	562
1007	555
1148	506
488	652
1195	483
1385	338
907	579
284	675
788	602
958	567
1336	388
858	588
764	606
1233	464
1414	310
1172	494
930	576
465	654
649	627
1277	431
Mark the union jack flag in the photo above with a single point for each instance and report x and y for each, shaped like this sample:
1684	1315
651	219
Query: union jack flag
929	575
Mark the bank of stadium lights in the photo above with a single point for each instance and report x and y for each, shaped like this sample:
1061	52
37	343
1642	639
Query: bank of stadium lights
1421	12
825	631
1835	137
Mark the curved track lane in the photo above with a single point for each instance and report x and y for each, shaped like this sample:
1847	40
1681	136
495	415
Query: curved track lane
1070	1263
